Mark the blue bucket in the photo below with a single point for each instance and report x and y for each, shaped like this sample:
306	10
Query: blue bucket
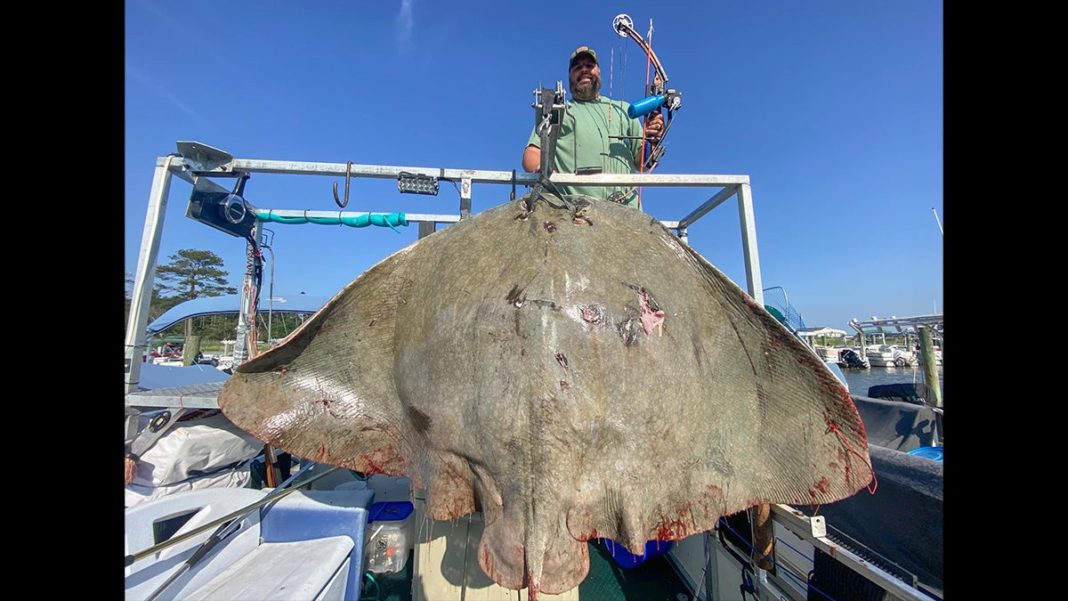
934	453
628	560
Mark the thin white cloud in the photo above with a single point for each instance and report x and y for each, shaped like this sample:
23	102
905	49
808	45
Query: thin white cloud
404	24
141	79
200	36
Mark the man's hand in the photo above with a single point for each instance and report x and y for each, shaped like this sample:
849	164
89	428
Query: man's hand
654	128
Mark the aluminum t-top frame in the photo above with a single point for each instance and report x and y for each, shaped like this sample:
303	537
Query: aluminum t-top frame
196	159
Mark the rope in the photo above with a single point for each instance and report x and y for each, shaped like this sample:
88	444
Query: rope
789	546
747	583
723	522
833	427
808	583
378	589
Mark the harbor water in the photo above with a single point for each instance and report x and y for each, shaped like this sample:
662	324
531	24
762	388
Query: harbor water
860	380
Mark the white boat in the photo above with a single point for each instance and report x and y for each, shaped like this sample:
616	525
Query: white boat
884	355
828	353
812	553
890	356
265	557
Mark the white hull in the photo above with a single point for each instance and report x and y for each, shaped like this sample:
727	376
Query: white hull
890	362
886	356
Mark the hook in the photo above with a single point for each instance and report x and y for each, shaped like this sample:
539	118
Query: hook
348	175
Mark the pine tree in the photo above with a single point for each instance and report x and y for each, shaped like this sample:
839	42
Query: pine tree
192	273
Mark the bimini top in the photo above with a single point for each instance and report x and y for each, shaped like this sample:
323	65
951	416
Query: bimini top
822	331
229	304
164	376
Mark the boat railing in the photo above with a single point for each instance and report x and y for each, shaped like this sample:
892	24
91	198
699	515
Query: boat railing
196	161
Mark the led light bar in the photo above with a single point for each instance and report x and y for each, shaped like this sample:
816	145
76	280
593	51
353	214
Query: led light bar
414	183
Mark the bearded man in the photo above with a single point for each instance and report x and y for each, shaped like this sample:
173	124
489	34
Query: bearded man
595	133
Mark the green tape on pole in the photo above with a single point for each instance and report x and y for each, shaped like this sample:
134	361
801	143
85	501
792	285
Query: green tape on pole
267	216
390	220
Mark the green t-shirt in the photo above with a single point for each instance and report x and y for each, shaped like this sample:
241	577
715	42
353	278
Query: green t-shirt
584	142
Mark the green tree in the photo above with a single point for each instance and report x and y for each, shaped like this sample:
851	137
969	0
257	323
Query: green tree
192	273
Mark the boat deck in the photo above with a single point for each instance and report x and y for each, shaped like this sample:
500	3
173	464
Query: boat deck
448	570
195	396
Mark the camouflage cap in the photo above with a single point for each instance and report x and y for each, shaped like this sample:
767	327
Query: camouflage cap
581	50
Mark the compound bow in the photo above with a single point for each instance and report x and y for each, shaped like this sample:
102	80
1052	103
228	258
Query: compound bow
658	96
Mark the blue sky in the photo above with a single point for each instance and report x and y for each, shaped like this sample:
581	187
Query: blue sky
833	109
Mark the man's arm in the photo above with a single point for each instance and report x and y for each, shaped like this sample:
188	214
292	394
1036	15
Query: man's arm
531	158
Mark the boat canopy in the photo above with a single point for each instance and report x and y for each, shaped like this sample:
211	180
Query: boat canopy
897	325
165	376
813	332
229	304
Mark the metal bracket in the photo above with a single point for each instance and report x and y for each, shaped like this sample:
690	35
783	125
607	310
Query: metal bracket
549	107
465	195
800	523
819	526
201	157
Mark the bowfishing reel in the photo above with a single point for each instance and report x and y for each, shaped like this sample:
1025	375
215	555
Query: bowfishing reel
227	212
672	99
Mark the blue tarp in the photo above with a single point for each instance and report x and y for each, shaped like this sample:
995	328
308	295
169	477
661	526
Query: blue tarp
229	304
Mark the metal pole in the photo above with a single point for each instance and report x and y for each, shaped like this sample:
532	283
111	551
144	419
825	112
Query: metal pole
426	228
478	176
270	298
248	299
719	198
146	272
749	243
